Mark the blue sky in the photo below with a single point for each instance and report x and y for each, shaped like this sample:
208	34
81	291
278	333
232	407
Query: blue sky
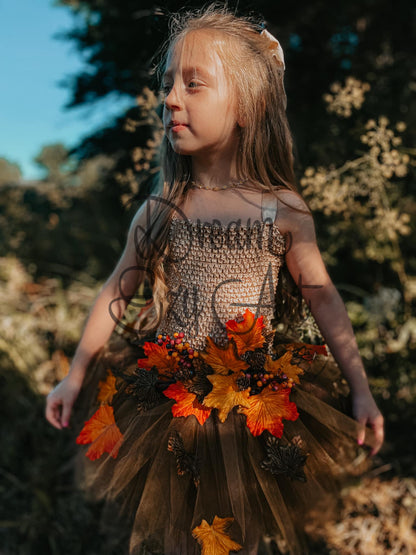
32	62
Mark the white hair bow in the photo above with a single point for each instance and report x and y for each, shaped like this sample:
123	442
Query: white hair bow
274	47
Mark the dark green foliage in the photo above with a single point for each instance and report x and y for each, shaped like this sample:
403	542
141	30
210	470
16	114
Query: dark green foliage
71	233
40	511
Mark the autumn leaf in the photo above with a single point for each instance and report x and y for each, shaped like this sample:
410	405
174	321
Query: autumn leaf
225	395
267	409
307	351
157	355
247	333
222	360
186	403
283	365
213	538
102	432
107	389
61	363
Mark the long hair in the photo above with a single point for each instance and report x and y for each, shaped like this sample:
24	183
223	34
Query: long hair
265	143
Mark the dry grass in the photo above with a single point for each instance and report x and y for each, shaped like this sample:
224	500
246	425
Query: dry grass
377	517
40	322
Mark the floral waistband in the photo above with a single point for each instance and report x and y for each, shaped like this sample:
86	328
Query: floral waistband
242	374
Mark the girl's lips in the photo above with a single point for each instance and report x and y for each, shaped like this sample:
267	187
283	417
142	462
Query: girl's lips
178	127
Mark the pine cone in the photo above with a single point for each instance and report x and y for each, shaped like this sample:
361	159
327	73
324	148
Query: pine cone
255	359
288	460
142	386
185	462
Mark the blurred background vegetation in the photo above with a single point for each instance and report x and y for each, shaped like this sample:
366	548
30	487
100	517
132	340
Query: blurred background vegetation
351	84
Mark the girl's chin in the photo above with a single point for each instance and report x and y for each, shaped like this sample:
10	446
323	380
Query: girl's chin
181	150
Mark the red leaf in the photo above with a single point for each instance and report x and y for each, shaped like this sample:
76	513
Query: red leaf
157	355
186	403
307	351
247	333
102	432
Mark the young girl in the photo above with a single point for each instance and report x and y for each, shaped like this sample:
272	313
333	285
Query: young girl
224	428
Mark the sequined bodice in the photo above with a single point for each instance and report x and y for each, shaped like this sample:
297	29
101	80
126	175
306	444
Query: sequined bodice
214	272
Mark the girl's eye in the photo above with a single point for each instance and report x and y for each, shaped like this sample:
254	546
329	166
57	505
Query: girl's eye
165	89
193	84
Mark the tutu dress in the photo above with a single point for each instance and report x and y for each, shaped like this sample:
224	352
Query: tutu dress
218	434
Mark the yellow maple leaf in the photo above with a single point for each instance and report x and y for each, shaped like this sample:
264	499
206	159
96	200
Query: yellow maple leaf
222	360
225	395
267	409
283	365
213	538
107	389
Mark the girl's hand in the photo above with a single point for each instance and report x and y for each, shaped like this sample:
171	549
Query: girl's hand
366	412
60	401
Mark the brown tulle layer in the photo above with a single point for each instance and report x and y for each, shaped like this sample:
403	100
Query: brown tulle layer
162	508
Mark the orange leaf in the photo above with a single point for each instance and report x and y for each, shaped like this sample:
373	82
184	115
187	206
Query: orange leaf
186	403
247	333
61	363
267	409
225	395
157	355
102	432
307	351
107	389
213	539
222	360
283	366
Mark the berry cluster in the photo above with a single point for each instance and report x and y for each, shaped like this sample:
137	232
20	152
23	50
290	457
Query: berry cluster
259	380
177	348
255	378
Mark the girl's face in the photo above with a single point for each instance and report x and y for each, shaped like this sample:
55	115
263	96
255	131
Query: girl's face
199	113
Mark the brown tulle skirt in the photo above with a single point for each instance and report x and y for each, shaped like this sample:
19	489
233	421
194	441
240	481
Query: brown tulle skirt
161	508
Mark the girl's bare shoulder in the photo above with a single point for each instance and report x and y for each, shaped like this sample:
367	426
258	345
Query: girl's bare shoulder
147	209
292	211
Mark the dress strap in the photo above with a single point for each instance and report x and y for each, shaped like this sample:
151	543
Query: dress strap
268	206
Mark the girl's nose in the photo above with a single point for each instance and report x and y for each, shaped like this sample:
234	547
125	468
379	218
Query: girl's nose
172	100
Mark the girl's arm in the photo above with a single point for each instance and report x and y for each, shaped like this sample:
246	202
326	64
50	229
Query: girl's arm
117	291
307	268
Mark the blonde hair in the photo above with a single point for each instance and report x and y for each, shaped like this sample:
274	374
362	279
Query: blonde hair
265	143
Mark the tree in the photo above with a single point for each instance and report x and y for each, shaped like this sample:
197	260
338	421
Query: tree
329	42
9	172
55	160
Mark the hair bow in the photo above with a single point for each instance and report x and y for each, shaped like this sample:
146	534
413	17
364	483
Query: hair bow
274	47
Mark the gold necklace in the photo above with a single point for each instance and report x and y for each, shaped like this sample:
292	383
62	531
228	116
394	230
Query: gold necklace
229	186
